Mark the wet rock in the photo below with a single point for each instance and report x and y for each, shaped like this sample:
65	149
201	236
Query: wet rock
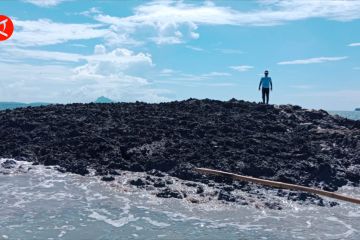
136	167
333	204
8	164
156	173
148	178
159	183
150	188
108	178
199	189
353	173
226	196
169	181
60	169
185	171
273	205
281	193
138	182
114	172
190	184
211	184
170	193
79	169
228	188
193	200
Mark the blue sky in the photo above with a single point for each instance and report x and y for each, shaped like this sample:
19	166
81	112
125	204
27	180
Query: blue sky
77	50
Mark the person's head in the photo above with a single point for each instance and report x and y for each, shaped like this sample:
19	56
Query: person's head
266	73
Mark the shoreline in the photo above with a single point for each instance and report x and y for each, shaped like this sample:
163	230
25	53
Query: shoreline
285	143
162	185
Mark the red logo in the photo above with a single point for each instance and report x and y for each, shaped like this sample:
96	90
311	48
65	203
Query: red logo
6	28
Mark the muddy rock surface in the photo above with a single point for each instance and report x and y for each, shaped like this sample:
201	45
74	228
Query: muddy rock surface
284	143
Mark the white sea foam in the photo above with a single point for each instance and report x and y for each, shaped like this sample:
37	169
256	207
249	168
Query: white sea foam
156	223
42	204
117	222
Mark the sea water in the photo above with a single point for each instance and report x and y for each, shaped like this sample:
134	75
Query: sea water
42	203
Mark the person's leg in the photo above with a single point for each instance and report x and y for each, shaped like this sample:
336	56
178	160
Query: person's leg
263	95
267	95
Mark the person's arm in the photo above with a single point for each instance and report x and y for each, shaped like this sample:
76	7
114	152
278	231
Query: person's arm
260	83
270	84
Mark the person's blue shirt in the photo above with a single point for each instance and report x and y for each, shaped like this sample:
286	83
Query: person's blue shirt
265	82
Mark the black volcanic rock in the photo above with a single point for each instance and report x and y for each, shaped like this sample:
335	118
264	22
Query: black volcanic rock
108	178
226	196
170	193
285	143
138	182
8	164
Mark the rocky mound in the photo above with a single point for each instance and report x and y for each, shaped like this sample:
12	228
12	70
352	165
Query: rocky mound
284	143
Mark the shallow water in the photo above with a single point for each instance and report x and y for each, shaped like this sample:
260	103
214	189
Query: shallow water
46	204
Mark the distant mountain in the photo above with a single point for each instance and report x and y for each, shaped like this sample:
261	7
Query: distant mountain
103	99
357	109
12	105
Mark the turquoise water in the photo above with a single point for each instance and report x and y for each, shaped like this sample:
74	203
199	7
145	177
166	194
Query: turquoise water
46	204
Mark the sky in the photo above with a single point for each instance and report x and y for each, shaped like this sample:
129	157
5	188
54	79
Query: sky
65	51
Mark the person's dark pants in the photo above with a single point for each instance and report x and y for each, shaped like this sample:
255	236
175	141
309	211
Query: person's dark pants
265	94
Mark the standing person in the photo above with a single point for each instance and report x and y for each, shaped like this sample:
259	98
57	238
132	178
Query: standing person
266	84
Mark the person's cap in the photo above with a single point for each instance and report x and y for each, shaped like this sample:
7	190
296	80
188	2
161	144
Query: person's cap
266	71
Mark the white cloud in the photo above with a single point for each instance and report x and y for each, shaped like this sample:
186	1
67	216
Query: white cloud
186	77
78	45
119	39
354	44
120	58
193	84
167	40
46	32
29	83
167	72
229	51
216	74
99	49
178	34
45	3
168	18
242	68
312	60
91	12
198	49
54	83
177	76
194	35
22	54
113	62
116	74
111	74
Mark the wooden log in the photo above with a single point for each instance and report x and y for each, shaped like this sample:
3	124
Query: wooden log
279	184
